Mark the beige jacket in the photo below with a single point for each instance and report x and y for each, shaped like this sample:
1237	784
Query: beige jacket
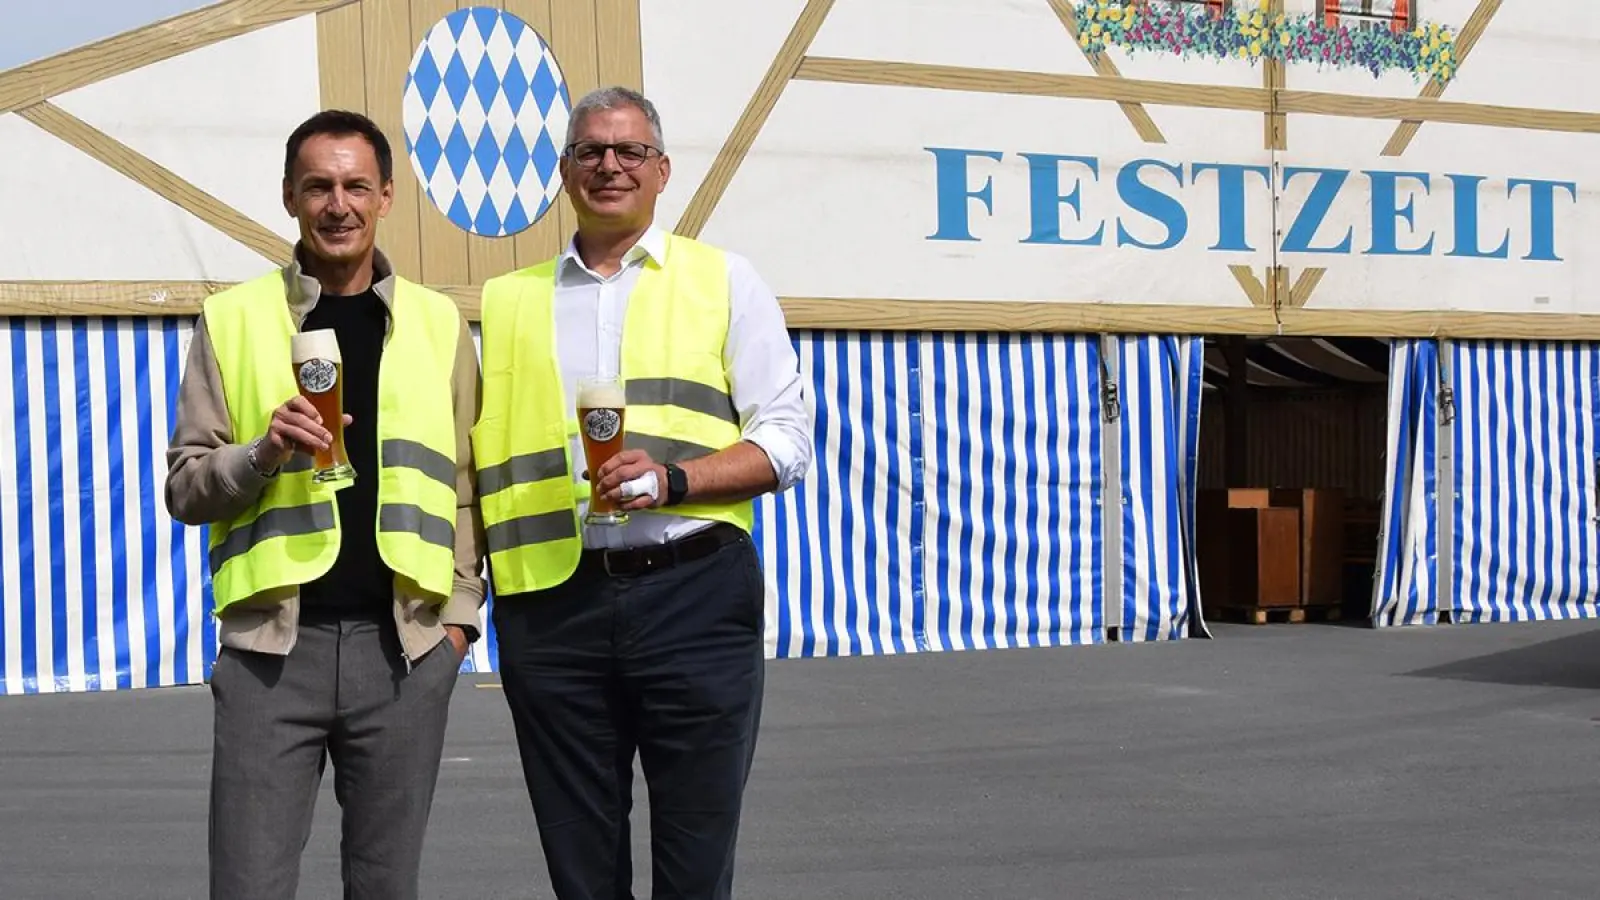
210	479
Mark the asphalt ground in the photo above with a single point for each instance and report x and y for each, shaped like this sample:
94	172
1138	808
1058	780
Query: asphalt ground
1286	761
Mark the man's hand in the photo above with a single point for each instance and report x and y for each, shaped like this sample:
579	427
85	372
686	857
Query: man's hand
626	466
295	426
458	640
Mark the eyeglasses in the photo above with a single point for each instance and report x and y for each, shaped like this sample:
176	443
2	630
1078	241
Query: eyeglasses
630	154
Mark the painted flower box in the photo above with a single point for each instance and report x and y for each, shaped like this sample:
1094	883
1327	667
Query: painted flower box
1210	29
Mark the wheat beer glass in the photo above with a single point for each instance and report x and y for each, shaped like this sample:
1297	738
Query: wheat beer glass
602	404
319	372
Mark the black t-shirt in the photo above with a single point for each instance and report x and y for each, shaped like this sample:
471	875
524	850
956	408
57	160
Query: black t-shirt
359	582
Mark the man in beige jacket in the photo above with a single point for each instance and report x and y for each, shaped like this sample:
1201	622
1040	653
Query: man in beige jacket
358	665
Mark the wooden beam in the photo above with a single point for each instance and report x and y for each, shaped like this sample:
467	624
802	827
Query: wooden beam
1032	316
619	41
1104	67
1305	286
105	298
1062	316
490	256
122	298
1032	84
47	78
1486	115
339	60
159	179
1254	290
1277	286
785	64
1196	96
1477	23
1275	78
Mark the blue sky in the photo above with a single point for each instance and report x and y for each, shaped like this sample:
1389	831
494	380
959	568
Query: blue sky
34	29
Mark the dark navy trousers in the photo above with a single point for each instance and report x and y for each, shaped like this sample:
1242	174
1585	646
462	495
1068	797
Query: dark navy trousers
666	664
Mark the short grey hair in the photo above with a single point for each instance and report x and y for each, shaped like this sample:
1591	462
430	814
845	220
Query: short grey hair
614	98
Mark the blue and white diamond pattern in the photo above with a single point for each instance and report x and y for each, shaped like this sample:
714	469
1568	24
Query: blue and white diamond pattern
485	112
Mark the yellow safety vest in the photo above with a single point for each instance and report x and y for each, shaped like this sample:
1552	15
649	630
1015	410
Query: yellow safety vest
679	405
290	535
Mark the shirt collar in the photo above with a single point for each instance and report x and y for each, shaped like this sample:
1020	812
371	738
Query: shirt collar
304	291
651	246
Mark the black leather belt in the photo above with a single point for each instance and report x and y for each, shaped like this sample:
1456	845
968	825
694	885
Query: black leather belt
640	560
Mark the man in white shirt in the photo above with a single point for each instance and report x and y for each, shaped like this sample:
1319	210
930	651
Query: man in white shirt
654	642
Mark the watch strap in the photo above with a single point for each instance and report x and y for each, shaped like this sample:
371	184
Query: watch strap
677	485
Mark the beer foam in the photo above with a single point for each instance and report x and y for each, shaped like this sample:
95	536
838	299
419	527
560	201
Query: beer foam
322	343
601	395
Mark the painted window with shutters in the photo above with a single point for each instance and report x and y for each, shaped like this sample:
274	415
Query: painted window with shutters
1397	15
1215	7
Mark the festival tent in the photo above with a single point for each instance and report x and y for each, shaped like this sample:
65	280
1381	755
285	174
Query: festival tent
1010	440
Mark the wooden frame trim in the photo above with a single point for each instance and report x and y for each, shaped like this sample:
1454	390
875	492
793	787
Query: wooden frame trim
1512	117
1305	286
1104	67
1275	78
1477	24
1034	84
1195	96
45	79
982	315
104	298
183	298
785	64
619	42
1250	283
341	50
155	177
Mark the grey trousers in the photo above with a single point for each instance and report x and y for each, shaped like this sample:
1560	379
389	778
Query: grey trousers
343	693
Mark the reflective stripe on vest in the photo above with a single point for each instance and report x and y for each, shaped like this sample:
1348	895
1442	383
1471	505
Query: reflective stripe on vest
679	406
290	535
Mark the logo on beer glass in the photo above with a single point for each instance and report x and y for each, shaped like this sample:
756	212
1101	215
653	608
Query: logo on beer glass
602	412
318	375
317	366
602	424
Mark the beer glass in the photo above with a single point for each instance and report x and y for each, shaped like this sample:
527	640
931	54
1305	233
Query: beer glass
602	404
319	372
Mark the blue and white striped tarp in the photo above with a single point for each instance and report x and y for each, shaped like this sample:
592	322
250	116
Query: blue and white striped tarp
843	570
1517	539
957	495
1160	398
102	589
1012	538
955	503
1527	545
1404	590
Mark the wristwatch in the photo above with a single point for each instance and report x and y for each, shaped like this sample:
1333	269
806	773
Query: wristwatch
677	485
252	455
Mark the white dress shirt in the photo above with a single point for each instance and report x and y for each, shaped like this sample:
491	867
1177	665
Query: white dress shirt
763	373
